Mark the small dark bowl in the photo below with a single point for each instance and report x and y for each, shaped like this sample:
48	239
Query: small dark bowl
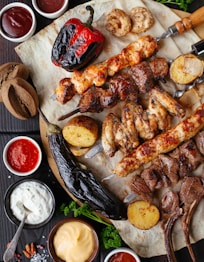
9	212
57	226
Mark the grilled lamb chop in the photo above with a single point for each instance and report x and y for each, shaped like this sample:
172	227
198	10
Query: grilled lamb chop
171	212
191	192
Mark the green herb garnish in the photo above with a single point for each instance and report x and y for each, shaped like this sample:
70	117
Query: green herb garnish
182	4
109	236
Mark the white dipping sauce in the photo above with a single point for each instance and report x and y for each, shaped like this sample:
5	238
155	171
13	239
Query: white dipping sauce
35	197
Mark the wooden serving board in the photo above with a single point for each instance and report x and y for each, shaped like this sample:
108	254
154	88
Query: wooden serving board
200	32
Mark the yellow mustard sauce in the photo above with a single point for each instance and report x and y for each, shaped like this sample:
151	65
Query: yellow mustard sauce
74	242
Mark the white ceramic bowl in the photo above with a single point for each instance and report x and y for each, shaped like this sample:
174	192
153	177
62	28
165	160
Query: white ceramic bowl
119	250
32	28
42	187
51	15
17	171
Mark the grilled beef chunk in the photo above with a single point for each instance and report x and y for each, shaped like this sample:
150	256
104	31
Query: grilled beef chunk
190	151
169	167
191	192
159	67
199	139
143	76
138	186
151	177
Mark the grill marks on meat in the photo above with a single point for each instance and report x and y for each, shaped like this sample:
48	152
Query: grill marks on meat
166	170
191	193
162	143
138	124
143	48
123	87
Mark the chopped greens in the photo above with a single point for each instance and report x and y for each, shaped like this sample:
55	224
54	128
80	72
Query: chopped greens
182	4
109	236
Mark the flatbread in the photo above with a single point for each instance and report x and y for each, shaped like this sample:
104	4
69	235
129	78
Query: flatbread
35	53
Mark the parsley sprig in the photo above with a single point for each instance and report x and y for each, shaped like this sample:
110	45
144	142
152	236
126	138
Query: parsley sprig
109	235
182	4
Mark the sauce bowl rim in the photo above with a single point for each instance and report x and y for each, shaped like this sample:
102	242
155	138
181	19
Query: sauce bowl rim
51	15
119	250
33	26
8	210
58	225
13	171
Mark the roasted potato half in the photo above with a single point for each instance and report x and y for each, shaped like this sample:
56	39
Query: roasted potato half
186	68
81	131
143	215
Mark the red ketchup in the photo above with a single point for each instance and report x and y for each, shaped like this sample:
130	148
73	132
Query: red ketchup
122	257
50	6
16	21
22	155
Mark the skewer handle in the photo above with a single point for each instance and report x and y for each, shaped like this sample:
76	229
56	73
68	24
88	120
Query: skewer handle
190	21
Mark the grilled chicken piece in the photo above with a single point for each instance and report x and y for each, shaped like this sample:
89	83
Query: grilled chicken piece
96	74
65	91
139	187
145	123
170	212
162	143
128	120
171	105
191	192
108	137
161	114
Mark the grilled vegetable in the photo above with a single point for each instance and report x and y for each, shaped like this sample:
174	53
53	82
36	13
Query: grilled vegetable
77	43
80	181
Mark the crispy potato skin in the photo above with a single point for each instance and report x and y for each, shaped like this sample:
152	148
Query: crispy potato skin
143	215
81	131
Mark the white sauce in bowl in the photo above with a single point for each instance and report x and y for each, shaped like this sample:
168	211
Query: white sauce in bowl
35	197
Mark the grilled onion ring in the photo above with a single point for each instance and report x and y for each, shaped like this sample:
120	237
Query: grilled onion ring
118	23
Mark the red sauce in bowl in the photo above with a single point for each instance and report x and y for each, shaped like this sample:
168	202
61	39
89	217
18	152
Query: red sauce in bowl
22	155
16	21
122	257
50	6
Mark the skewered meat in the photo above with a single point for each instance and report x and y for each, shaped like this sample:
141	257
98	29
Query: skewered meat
191	192
163	143
171	212
121	87
143	76
144	47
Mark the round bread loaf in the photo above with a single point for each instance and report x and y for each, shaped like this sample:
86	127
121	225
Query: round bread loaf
20	98
12	70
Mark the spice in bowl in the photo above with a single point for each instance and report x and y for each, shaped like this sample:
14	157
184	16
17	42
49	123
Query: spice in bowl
73	239
22	156
17	22
33	195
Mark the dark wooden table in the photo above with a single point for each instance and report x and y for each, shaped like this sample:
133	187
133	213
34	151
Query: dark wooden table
11	127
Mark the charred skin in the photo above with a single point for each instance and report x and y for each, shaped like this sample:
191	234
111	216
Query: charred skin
81	183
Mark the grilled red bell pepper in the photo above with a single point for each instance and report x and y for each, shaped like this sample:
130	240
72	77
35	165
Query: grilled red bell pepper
77	43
